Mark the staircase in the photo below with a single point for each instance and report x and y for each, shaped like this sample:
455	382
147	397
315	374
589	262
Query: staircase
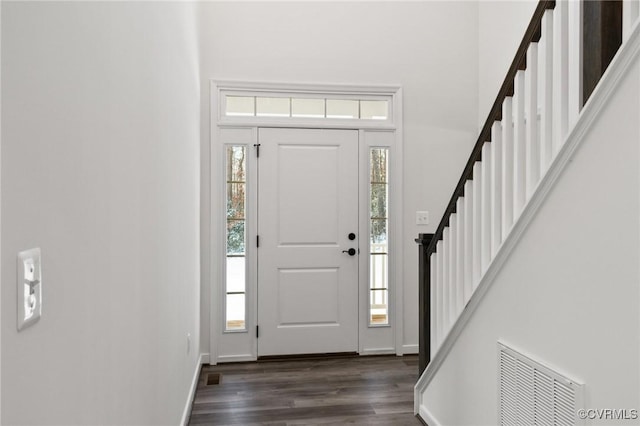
567	65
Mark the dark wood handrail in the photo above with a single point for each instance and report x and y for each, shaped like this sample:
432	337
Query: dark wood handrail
428	242
532	35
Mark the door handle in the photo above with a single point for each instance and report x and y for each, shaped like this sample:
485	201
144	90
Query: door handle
351	251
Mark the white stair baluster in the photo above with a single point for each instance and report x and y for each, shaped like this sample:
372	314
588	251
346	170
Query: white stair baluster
560	74
485	230
496	193
446	281
477	223
440	290
468	240
459	290
630	12
519	169
532	145
545	51
453	268
507	166
574	45
433	303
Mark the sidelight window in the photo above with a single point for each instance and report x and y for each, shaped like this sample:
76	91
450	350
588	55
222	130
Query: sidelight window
379	237
236	265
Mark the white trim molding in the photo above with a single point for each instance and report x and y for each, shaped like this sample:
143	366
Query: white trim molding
0	204
427	417
619	67
186	413
410	349
396	226
204	357
236	358
237	88
378	351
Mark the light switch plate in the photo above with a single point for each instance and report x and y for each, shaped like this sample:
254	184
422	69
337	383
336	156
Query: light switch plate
29	276
422	218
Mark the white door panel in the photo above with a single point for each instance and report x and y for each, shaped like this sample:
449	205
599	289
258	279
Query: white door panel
308	194
308	205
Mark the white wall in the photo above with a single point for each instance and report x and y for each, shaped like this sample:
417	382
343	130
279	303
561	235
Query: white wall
100	168
0	209
501	26
568	294
430	48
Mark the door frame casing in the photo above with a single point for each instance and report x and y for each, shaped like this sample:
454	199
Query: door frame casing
242	346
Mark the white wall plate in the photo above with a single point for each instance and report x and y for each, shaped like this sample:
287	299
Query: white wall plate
29	281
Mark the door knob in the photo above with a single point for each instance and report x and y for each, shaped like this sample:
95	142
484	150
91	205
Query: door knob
351	251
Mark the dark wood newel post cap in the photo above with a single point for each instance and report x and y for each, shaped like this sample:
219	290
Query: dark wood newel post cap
424	239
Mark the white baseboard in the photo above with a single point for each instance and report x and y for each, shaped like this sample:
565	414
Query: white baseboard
192	391
428	417
204	359
377	351
235	358
410	349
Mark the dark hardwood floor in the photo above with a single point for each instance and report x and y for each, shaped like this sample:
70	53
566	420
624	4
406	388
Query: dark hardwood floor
375	390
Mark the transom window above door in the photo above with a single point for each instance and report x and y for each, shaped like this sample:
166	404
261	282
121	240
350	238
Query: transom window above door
237	105
261	106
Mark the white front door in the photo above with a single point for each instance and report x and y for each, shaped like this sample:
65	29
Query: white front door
307	207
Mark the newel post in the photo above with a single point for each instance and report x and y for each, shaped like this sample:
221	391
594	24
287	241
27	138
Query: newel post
424	300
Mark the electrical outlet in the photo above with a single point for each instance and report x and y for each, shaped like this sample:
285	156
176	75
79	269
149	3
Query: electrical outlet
422	218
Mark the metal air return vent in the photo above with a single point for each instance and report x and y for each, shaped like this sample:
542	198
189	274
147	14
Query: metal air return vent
532	394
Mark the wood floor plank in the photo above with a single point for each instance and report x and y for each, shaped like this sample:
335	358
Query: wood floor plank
375	390
280	414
